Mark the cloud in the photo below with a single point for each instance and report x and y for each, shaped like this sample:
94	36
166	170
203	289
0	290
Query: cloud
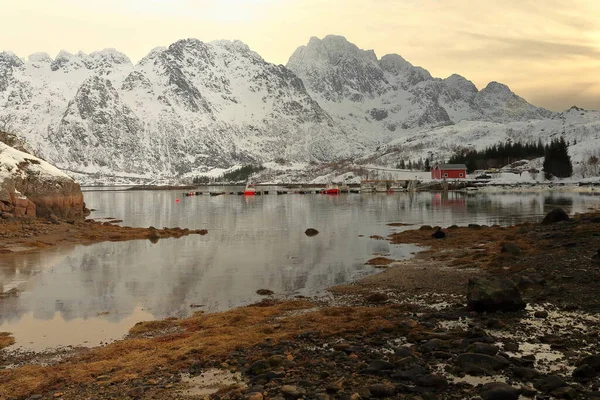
517	48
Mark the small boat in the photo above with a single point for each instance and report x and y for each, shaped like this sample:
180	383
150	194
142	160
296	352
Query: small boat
250	190
331	189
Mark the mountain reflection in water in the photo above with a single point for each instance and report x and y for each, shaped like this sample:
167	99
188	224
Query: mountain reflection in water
253	243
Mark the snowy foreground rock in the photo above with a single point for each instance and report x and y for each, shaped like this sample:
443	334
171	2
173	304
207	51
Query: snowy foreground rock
192	107
31	187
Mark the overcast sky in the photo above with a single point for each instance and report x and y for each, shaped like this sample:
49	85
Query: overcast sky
546	51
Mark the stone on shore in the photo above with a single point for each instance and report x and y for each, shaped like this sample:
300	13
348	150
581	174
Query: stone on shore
555	216
499	391
493	294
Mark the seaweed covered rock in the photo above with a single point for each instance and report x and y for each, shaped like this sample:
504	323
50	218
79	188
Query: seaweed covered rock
493	294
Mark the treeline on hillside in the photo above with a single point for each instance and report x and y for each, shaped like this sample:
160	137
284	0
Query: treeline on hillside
241	174
418	165
557	162
498	155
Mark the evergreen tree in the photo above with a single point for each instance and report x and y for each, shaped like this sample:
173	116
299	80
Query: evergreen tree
427	167
557	162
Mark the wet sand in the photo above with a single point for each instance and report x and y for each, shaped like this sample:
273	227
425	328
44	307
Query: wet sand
403	333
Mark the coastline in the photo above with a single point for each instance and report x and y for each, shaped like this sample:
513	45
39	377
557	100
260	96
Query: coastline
400	332
27	235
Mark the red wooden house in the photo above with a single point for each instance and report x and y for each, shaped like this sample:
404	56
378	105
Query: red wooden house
449	171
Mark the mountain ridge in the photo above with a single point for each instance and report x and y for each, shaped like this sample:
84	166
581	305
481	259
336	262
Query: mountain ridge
193	106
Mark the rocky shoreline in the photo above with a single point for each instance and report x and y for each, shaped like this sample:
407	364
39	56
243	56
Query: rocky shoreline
407	332
32	234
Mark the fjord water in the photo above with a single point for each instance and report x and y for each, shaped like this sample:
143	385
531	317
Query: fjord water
83	295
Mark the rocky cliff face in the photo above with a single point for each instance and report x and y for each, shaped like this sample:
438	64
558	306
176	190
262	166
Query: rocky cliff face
31	187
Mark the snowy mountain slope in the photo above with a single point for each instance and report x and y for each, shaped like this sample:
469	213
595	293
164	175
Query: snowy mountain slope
193	106
190	106
580	127
388	94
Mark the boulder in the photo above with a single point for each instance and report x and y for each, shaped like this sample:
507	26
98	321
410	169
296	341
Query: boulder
499	391
555	216
510	248
475	363
493	294
438	234
311	232
31	187
549	383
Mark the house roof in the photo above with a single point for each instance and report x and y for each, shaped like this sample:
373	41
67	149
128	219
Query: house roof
452	166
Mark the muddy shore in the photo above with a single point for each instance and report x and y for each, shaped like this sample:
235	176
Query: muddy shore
403	333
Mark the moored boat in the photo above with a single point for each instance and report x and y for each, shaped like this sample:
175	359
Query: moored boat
331	189
250	189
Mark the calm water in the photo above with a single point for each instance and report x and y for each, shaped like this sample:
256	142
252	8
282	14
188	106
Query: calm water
89	294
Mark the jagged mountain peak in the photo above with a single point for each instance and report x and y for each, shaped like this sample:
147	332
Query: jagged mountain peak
332	49
110	56
460	83
8	59
39	58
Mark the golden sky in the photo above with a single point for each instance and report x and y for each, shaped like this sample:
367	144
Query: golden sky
546	51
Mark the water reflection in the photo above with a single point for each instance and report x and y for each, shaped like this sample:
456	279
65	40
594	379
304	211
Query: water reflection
253	243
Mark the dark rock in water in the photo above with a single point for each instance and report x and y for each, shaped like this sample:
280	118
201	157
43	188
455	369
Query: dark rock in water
549	383
565	393
431	381
439	234
483	348
426	228
264	292
584	372
555	216
381	390
311	232
541	314
510	248
593	361
493	294
480	363
499	391
525	373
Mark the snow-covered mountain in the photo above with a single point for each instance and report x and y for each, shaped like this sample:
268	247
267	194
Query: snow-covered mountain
366	93
190	106
194	106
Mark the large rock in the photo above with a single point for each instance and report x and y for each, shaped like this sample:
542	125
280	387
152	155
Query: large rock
493	294
499	391
31	187
555	216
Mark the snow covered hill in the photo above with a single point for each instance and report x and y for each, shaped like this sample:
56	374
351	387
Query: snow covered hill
190	106
383	96
193	106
